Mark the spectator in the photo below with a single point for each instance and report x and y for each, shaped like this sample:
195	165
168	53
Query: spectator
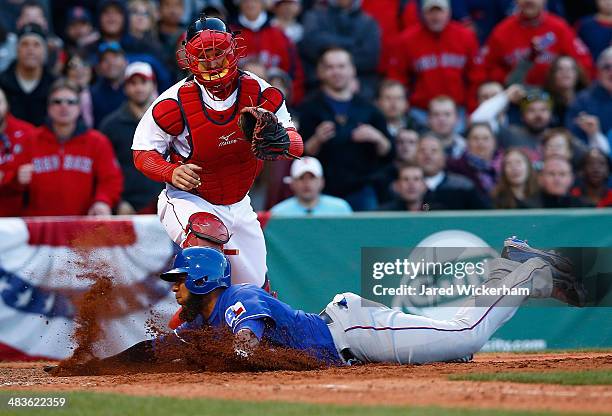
594	179
438	57
255	66
80	73
406	143
596	30
556	180
307	182
8	48
393	17
214	8
494	102
517	184
170	29
139	193
75	169
393	103
15	136
560	143
535	34
536	117
345	132
107	92
410	190
11	9
281	80
343	24
445	190
286	13
142	37
442	121
486	14
27	81
33	13
563	81
488	89
590	116
113	19
81	37
268	44
478	163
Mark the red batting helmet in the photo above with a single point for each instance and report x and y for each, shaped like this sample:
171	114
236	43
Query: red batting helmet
211	53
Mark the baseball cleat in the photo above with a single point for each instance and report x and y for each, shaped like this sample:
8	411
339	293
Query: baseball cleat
465	359
565	286
518	250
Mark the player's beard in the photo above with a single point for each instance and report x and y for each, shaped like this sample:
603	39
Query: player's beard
192	308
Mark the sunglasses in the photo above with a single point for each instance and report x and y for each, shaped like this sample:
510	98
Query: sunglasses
69	101
139	13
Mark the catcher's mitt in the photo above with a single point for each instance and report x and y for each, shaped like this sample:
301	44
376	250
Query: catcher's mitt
269	139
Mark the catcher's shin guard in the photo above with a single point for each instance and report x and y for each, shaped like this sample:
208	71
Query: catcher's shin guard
206	230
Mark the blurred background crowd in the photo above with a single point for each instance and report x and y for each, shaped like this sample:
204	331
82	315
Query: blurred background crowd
403	105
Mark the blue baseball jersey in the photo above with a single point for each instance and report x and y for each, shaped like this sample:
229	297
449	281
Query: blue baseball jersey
248	306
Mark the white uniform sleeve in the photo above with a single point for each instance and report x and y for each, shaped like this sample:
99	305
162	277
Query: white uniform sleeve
489	110
148	135
282	113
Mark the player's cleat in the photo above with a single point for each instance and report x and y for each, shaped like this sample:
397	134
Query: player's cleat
518	250
465	359
49	368
565	286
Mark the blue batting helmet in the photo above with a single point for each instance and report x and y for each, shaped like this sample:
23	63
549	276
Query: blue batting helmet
204	269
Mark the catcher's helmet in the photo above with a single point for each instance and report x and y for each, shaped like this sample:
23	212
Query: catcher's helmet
211	53
204	269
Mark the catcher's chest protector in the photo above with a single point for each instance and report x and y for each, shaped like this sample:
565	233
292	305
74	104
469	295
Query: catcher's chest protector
217	143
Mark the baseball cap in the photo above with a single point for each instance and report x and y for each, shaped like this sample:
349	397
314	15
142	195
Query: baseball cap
139	68
304	165
113	46
78	14
533	95
32	29
428	4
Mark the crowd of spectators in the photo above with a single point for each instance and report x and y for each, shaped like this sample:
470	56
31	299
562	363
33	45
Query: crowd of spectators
403	105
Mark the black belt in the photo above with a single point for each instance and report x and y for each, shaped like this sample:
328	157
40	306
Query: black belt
326	318
346	354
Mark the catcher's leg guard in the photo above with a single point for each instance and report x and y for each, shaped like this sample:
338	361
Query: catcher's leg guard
207	230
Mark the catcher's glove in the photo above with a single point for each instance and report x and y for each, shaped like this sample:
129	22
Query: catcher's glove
269	139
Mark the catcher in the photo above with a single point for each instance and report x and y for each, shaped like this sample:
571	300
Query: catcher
207	138
351	329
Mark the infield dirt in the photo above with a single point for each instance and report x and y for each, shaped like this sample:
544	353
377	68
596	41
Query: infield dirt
422	385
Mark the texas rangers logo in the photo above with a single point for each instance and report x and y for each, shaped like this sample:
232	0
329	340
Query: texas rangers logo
225	140
234	312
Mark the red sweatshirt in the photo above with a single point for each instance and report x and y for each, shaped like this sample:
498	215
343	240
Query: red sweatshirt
391	22
270	45
19	135
511	40
431	64
69	177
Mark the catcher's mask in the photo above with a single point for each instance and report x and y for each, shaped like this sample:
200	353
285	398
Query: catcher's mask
211	53
204	270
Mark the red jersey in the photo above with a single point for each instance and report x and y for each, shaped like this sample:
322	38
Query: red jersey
511	42
70	176
271	47
392	23
14	152
431	64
